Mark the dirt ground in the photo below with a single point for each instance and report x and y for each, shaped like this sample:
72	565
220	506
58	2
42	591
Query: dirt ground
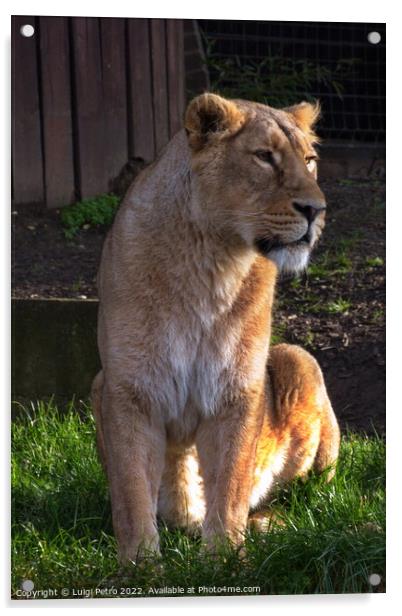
336	310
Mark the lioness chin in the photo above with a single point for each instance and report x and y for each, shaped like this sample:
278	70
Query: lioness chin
196	417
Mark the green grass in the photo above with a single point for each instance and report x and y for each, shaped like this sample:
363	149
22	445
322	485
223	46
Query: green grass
278	333
338	306
331	264
374	261
333	536
336	260
95	212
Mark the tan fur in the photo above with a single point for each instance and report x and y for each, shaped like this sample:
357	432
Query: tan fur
306	115
196	419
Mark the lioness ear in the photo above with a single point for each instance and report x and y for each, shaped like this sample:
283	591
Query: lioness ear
306	116
210	114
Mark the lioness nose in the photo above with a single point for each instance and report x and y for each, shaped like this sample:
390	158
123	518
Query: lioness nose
309	211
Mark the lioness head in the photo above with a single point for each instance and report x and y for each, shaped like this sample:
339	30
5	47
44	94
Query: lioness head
255	171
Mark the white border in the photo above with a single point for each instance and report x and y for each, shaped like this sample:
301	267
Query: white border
293	10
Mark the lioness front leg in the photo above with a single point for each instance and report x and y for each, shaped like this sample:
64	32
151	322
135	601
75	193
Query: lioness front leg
134	441
226	445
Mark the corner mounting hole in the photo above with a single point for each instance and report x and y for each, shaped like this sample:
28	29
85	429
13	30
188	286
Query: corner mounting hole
375	579
374	38
27	30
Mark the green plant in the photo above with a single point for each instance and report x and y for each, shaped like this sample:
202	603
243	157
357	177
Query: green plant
338	306
320	268
275	80
374	261
296	282
98	211
378	316
308	338
333	263
278	334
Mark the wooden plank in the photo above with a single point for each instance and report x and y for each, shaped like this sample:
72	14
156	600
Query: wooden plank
176	74
160	86
140	112
57	116
27	163
88	102
114	95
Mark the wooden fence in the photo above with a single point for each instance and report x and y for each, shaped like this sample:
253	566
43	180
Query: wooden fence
88	94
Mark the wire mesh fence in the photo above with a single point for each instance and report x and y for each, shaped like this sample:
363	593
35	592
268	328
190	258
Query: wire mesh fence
282	62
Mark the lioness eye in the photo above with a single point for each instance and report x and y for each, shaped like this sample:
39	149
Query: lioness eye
266	156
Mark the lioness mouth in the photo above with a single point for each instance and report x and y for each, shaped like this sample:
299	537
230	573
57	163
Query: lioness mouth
265	245
305	239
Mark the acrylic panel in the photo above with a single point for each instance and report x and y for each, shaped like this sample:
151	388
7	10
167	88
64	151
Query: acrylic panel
205	416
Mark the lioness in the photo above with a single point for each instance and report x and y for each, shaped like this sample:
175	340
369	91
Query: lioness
193	410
